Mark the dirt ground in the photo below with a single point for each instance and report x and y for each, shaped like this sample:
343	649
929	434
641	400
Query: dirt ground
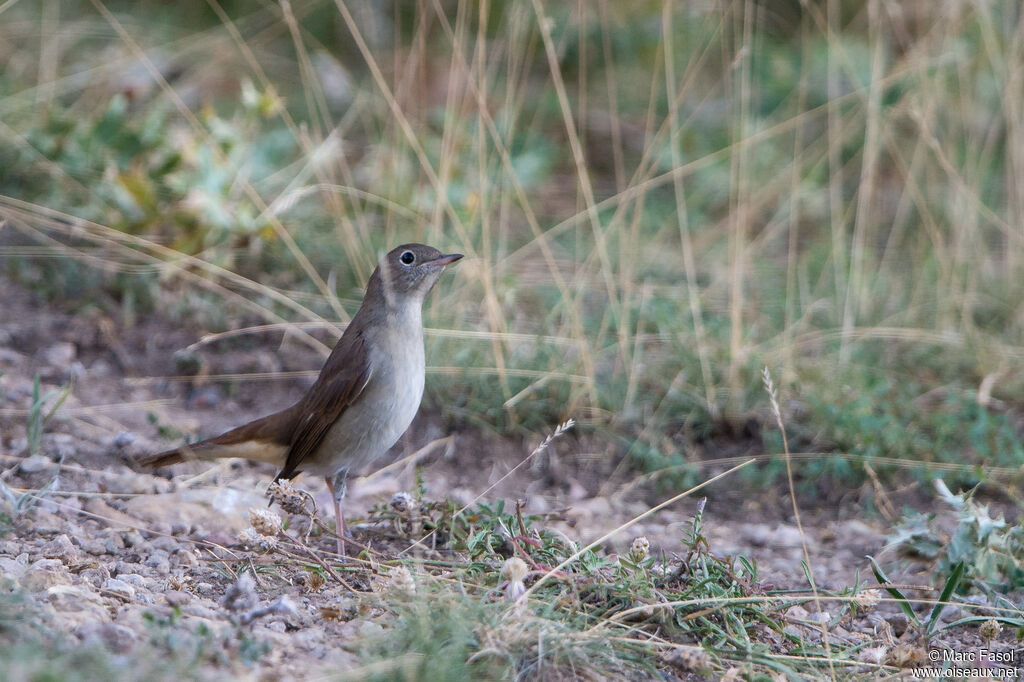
110	542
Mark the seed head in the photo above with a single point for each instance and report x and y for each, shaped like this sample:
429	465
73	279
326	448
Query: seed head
515	570
253	539
265	522
401	581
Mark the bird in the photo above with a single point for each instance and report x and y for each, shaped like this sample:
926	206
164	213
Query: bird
365	396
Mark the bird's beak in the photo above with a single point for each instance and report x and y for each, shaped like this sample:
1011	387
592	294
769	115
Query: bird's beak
446	259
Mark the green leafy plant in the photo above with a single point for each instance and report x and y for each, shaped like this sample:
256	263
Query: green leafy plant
928	626
990	549
37	417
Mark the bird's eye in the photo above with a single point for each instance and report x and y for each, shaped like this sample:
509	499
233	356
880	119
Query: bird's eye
407	257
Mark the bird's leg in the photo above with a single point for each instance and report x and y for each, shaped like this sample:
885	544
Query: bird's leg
338	484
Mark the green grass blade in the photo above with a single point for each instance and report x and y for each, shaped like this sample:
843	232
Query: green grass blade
901	598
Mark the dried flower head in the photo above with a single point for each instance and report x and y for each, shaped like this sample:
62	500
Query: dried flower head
403	502
990	629
401	581
868	599
315	581
253	539
515	570
689	659
179	582
265	521
640	549
285	494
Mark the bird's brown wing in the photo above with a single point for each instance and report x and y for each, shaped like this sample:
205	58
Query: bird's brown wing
342	380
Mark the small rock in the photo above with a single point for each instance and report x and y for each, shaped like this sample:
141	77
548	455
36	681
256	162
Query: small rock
204	398
92	546
34	464
60	548
44	574
60	444
899	623
158	559
60	354
101	368
133	579
951	613
11	547
785	536
113	544
96	576
367	629
12	358
200	611
120	589
123	439
165	544
11	568
133	538
186	558
116	638
177	597
75	599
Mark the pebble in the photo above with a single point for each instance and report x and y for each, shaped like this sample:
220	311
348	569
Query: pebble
10	357
113	544
116	638
60	444
132	538
123	439
61	548
177	597
120	588
60	354
165	544
158	559
34	464
92	546
11	568
132	579
200	611
44	574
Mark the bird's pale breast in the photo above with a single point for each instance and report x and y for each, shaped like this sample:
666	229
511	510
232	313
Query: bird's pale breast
386	407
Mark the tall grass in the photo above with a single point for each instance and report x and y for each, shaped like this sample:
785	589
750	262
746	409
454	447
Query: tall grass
656	199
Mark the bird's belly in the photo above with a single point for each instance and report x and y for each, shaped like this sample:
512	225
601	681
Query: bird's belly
367	430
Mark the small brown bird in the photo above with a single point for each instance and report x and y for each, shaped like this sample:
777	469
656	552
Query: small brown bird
365	396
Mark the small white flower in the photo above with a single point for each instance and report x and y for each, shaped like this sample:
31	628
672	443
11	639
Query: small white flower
868	599
640	549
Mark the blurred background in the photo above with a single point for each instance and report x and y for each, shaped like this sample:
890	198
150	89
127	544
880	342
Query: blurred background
656	199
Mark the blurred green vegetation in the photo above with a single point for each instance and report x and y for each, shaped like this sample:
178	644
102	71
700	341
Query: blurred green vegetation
657	201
